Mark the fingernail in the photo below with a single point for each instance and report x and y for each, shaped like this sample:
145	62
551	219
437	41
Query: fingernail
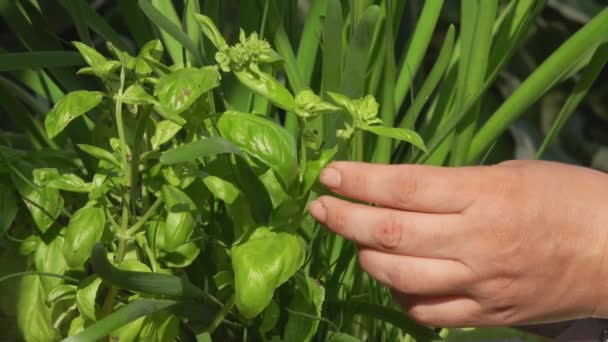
330	177
318	211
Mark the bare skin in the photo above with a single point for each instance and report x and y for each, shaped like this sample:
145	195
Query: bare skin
516	243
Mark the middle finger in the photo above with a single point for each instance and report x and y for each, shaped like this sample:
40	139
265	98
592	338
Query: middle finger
390	230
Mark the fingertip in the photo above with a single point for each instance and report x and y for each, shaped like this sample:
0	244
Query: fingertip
331	177
317	210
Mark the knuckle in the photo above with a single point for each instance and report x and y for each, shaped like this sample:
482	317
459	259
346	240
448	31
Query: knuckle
405	191
337	219
388	235
505	183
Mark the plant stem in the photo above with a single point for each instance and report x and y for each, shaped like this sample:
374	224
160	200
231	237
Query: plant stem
108	305
151	211
219	318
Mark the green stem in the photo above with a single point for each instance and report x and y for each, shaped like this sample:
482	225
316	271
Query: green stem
42	274
108	305
219	318
140	223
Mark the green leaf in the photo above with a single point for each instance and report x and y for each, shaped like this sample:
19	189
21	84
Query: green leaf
49	258
76	326
86	295
160	326
264	140
100	154
165	131
179	90
397	133
335	336
143	282
182	256
62	292
90	55
206	147
264	84
261	264
210	30
70	107
180	220
151	51
308	299
314	167
99	65
137	95
33	315
270	317
129	313
128	332
85	229
48	177
8	208
44	203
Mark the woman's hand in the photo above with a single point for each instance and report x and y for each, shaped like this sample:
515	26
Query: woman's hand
519	242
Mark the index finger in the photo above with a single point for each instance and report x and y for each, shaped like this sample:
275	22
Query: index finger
407	187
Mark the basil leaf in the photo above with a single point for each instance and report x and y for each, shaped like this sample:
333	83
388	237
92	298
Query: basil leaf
70	107
165	131
86	295
160	326
268	86
264	140
180	220
397	133
210	30
261	264
308	298
206	147
84	230
62	292
178	90
137	95
153	51
49	258
33	315
100	154
68	182
182	256
44	203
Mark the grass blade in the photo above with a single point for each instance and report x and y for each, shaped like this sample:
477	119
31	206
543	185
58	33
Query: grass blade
382	152
394	317
123	316
98	24
431	81
309	41
417	48
136	22
79	20
588	77
477	41
39	59
173	35
544	77
144	282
